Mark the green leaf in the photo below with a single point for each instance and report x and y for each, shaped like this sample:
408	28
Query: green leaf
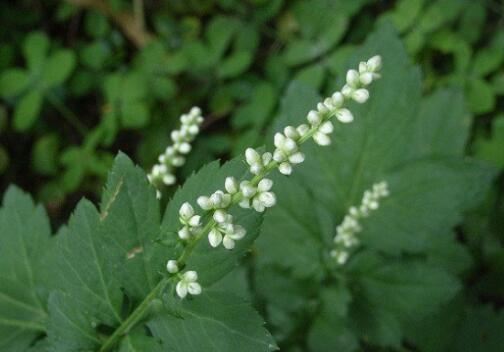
13	82
35	49
27	110
24	241
212	264
330	330
45	155
436	122
234	65
490	148
57	68
102	256
214	322
134	114
480	96
412	290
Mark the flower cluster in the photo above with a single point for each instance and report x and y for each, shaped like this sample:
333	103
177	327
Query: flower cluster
173	157
346	232
256	193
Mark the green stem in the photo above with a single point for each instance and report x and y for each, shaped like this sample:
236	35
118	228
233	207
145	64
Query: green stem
67	113
134	318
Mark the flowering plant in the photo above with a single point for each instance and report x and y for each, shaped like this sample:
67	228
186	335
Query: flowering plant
122	278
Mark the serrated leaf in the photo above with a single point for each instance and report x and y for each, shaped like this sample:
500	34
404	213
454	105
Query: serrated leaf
412	290
27	110
214	322
104	255
24	240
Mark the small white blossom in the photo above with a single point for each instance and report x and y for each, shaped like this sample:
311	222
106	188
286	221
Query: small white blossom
259	197
231	185
188	284
218	200
225	232
189	220
172	266
346	232
256	161
163	173
286	153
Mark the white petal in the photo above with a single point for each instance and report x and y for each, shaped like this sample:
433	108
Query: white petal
231	185
178	161
190	276
265	185
245	203
256	168
374	63
181	289
291	132
314	117
266	158
366	78
327	127
347	90
194	221
216	198
258	205
205	203
338	99
184	233
194	288
289	145
362	67
285	168
278	155
169	179
247	189
239	232
214	237
344	115
195	111
302	130
268	199
228	242
297	158
360	95
172	266
186	211
252	156
352	78
279	140
321	139
322	108
184	148
220	216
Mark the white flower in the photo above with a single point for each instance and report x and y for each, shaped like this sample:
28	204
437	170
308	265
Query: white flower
256	161
352	78
225	232
344	115
188	284
259	197
172	266
163	173
218	200
286	153
360	95
374	63
189	220
231	185
321	137
346	232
